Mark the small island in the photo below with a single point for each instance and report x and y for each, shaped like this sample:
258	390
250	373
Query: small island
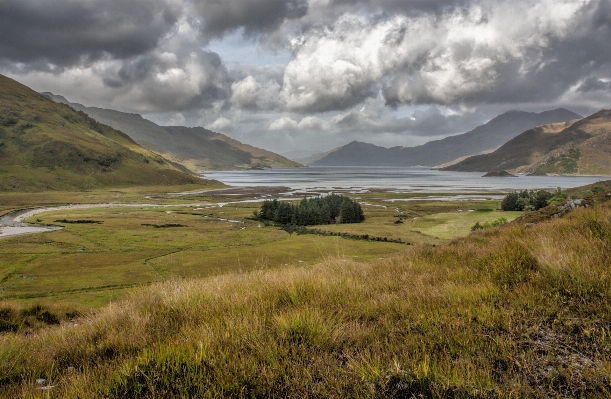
499	173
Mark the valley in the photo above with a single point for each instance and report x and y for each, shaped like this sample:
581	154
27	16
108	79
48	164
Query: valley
197	235
134	277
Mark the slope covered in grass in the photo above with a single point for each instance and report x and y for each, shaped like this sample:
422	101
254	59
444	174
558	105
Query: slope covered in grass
508	312
49	146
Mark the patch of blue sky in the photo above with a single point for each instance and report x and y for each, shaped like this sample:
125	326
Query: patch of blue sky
235	49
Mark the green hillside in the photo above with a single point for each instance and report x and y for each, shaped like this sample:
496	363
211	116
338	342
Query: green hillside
49	146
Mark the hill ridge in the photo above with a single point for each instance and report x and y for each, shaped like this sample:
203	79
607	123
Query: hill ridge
483	138
581	148
197	148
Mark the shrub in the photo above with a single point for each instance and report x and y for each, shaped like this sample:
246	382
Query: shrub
531	200
486	225
558	198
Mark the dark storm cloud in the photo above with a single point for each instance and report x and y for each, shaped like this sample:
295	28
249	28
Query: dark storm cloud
404	6
254	16
69	32
594	84
163	81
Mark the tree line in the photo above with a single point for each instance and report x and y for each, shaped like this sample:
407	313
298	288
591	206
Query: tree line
532	200
329	209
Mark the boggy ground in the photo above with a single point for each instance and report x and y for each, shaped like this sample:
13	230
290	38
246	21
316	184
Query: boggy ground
87	265
514	311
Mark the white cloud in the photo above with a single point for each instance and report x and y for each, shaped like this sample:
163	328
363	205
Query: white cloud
220	125
177	119
283	123
424	58
248	93
313	123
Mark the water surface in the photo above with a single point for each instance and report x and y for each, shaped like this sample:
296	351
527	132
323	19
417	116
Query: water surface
413	179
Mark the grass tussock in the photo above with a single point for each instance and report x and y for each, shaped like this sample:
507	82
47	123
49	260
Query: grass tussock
506	312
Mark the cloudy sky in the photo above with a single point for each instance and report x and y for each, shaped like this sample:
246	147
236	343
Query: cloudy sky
311	75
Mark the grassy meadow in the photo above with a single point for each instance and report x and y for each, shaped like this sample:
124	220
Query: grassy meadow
198	300
422	221
89	264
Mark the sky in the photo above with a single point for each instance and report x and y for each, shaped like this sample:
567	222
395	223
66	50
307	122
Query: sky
304	76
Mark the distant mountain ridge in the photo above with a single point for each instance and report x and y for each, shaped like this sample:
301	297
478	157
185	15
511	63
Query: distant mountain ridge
579	148
45	145
483	138
196	148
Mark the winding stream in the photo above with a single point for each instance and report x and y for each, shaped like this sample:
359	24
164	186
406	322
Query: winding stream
13	224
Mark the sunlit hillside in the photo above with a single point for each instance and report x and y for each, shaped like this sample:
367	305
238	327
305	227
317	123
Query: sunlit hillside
49	146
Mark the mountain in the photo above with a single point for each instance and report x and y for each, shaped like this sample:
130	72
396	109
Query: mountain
296	154
309	160
45	145
196	148
481	139
579	148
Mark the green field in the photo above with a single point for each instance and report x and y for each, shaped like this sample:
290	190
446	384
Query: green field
88	265
423	222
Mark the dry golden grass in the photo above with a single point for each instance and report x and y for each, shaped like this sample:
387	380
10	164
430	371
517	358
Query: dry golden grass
509	312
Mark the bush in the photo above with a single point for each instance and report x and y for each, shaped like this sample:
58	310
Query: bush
558	198
531	200
509	202
487	225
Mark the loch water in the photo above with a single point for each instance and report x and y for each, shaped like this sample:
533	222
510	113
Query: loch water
412	179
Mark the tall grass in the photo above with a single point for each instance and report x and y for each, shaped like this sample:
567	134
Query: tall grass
506	312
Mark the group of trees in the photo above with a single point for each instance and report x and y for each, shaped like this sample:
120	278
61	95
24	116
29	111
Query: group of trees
531	200
330	209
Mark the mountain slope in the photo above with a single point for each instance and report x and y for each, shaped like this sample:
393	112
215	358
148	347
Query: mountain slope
583	147
45	145
309	160
483	138
197	148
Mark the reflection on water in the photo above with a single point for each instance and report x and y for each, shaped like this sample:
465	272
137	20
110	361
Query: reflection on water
357	179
